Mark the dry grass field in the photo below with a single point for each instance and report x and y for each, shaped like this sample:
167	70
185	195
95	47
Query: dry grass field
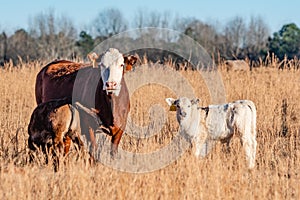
222	175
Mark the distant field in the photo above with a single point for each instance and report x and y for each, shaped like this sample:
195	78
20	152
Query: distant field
219	176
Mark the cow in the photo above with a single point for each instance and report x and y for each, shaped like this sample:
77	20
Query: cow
54	124
102	88
236	65
217	123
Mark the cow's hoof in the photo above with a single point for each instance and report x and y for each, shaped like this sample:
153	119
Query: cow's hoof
114	155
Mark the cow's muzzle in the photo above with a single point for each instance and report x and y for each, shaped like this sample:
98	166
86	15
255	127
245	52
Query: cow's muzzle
111	85
182	113
112	88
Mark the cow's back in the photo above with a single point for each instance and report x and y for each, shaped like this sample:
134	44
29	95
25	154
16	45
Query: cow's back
217	120
56	80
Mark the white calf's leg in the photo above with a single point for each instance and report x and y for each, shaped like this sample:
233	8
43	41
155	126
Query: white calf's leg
250	149
245	121
203	149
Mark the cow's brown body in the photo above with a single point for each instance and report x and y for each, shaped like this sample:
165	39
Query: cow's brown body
53	125
79	82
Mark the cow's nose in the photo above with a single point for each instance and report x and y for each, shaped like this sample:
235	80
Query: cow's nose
182	113
111	84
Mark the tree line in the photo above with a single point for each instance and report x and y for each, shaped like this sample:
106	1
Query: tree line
50	37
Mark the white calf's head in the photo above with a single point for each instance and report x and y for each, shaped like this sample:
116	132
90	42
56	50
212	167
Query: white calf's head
184	108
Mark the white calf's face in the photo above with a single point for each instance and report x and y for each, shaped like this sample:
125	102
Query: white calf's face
183	108
112	64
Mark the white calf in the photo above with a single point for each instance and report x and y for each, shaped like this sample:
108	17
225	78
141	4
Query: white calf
217	123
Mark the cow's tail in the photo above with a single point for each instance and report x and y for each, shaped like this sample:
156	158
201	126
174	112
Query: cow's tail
39	87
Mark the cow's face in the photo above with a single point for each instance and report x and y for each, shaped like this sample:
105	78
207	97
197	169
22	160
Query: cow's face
112	64
112	69
183	107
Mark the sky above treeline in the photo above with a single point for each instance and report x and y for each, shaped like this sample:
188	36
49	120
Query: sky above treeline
17	14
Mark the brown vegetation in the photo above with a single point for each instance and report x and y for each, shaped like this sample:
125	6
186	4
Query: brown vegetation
221	175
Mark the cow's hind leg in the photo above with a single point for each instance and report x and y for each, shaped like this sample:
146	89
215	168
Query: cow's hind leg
244	124
249	145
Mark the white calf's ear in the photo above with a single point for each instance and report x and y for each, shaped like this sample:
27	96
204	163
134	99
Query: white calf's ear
195	101
170	101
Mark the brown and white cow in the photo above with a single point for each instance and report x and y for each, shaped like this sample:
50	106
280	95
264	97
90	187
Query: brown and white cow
103	88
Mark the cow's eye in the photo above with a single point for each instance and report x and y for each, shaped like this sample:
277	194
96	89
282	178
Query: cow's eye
189	106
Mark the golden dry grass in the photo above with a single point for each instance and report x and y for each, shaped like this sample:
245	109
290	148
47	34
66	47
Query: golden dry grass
219	176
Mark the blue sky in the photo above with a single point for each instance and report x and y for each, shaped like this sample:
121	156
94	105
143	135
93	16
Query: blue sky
15	14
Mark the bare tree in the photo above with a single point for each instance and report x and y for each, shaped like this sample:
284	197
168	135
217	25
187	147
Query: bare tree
166	20
256	37
55	36
21	45
3	48
109	22
154	19
182	23
235	32
143	19
203	33
139	19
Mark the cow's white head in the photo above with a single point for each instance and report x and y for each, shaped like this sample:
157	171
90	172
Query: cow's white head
186	111
113	65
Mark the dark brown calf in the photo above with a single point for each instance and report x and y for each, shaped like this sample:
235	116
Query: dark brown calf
52	127
54	124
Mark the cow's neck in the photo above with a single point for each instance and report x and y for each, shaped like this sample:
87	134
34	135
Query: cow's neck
120	106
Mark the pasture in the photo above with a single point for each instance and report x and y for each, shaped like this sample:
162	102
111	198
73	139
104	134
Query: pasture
221	175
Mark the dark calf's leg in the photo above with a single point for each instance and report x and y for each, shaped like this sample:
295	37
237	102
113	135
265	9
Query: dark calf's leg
67	144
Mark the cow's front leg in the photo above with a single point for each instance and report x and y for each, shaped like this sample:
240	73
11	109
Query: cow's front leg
205	148
115	140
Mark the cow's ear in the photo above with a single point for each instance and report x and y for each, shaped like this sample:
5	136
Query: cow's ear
129	61
195	101
93	58
171	103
